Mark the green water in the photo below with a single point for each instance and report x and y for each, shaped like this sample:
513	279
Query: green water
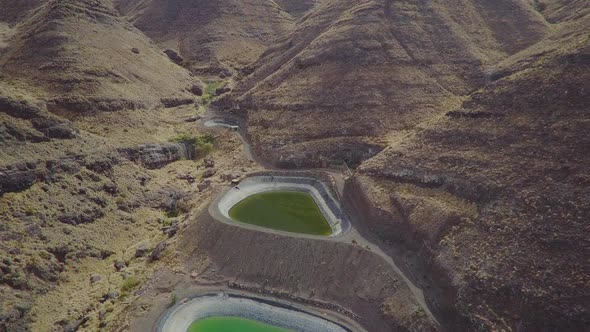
290	211
231	324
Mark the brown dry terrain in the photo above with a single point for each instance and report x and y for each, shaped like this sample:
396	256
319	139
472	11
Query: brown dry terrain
212	37
465	122
372	70
517	149
327	275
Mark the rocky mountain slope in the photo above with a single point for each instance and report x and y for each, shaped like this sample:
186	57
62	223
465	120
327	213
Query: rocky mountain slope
480	110
517	153
465	123
84	134
213	37
58	52
365	69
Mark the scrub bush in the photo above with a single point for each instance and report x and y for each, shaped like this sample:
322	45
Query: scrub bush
129	283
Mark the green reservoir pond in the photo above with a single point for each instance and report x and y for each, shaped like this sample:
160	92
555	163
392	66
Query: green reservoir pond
290	211
231	324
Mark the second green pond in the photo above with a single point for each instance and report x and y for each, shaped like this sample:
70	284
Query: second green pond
290	211
231	324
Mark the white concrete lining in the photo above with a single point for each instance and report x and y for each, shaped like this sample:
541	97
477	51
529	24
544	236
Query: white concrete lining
327	204
220	123
182	315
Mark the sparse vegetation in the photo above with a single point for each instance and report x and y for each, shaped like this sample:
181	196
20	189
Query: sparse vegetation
120	200
464	127
209	93
30	211
203	143
129	284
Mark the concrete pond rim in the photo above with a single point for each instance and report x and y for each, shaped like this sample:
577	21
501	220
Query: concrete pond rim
280	313
316	188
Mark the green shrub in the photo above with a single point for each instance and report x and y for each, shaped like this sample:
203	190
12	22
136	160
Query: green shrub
207	138
206	148
185	138
129	283
203	143
209	93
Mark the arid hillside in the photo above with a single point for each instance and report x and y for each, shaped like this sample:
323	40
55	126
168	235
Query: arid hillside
516	152
464	123
481	110
87	128
58	51
367	69
213	37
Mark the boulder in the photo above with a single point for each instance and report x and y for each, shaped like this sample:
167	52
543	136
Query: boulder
75	325
95	278
53	127
120	265
174	56
135	50
188	177
176	101
142	250
197	90
171	231
204	185
110	188
9	132
193	118
102	164
22	109
209	173
81	217
102	314
170	203
158	251
110	295
18	177
230	177
45	270
224	73
222	90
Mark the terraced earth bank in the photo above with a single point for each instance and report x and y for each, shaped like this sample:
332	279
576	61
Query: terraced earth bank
451	135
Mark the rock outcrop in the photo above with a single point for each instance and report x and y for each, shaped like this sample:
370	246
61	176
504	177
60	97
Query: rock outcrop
495	202
158	155
366	69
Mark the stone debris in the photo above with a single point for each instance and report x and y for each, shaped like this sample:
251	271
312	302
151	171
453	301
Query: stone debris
142	250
